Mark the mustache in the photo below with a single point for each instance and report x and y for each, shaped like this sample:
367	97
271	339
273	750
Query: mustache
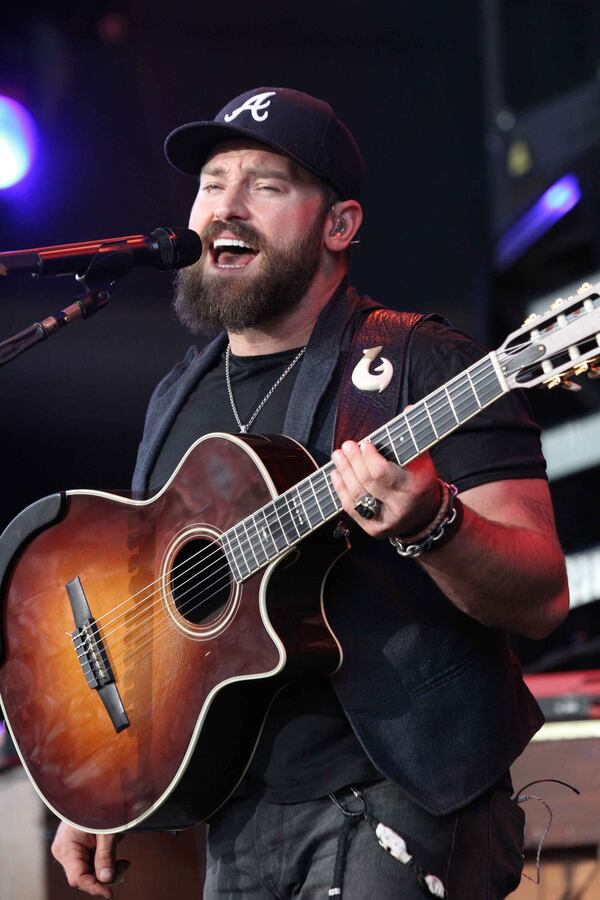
239	230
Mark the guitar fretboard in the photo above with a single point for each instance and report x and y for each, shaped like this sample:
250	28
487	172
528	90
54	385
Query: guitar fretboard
274	528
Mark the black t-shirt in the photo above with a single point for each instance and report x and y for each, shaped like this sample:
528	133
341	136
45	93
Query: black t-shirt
307	747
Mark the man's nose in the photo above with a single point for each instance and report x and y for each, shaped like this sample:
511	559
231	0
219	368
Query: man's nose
231	204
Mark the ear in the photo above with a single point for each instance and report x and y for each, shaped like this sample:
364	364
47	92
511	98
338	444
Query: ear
343	221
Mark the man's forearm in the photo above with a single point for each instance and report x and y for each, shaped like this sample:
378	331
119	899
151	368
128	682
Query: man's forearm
505	576
504	566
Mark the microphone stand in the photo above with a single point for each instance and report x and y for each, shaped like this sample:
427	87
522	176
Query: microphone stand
109	265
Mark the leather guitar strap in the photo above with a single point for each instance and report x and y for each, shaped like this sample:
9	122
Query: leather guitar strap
361	412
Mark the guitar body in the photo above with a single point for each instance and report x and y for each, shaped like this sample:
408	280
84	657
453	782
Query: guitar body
195	661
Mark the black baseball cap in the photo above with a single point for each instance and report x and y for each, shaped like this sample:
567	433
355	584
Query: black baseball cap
290	122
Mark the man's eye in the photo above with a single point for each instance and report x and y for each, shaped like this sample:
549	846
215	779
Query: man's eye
267	187
210	187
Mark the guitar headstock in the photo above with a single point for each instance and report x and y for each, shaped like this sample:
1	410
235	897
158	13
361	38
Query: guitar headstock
550	348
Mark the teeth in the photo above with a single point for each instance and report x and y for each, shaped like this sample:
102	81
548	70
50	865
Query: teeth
230	242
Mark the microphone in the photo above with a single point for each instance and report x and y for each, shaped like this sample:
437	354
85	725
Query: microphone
163	248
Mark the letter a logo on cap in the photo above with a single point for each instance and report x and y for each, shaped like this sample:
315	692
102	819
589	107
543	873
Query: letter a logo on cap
255	105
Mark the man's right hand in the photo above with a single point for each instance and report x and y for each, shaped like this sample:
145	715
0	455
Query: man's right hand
88	859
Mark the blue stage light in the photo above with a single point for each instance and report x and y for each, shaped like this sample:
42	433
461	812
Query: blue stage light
554	203
17	142
563	195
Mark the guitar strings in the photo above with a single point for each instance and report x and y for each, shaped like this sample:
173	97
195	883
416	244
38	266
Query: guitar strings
416	430
152	637
437	395
308	501
413	429
305	503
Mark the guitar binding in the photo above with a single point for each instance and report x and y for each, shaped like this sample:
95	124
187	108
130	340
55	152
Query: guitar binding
24	526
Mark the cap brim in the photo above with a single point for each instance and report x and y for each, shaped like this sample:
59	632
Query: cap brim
188	147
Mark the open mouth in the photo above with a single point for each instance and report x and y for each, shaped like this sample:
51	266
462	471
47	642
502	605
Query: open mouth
232	253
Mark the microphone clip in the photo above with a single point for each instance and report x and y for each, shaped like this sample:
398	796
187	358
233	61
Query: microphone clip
110	263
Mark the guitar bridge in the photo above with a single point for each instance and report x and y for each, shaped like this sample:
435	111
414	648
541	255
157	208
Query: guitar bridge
92	656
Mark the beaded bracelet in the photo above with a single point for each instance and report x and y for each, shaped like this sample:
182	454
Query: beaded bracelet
449	514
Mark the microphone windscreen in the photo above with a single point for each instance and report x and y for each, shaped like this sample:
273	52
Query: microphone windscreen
178	247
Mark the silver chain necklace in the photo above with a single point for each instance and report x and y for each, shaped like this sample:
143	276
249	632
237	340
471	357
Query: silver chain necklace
244	428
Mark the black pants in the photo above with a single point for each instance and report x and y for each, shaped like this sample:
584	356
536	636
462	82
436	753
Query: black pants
260	850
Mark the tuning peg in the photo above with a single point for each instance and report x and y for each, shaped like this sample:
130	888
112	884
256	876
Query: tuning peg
530	319
560	301
570	385
580	369
585	287
553	382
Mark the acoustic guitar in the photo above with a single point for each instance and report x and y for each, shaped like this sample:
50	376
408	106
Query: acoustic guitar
144	641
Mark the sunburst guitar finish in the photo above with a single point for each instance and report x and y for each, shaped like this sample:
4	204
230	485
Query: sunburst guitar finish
192	652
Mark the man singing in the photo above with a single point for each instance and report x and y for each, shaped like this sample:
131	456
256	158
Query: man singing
418	727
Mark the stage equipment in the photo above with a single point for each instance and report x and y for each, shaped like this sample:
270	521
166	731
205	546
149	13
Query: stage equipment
567	695
98	266
163	248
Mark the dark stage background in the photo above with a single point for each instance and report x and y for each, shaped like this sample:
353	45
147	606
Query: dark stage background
422	87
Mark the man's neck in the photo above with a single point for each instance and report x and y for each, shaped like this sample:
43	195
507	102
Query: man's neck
294	330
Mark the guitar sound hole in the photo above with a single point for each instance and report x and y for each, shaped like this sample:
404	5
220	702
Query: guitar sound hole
200	581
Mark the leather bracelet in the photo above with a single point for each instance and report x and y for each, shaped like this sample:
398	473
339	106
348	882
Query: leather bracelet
444	525
437	519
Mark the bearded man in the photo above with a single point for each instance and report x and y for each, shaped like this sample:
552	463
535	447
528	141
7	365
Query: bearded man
419	725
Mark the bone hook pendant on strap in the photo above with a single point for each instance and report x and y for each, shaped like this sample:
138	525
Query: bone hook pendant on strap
378	380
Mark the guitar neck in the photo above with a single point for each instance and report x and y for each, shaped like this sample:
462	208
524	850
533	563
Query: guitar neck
274	528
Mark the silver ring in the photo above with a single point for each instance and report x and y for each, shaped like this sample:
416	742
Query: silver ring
368	506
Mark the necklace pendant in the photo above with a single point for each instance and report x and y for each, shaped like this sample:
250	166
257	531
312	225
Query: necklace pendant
243	429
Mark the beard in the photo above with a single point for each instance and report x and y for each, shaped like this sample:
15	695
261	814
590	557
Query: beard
206	302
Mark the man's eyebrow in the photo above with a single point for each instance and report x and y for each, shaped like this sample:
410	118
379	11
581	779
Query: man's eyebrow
256	171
